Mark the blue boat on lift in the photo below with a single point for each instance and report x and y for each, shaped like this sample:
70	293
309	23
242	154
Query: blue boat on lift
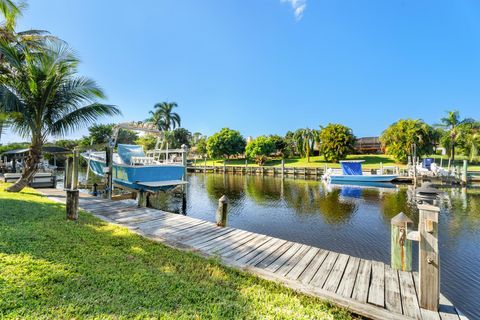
352	172
132	168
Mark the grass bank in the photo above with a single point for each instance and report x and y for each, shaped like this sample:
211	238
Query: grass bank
372	161
54	269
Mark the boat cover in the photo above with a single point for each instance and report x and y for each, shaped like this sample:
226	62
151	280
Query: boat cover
427	163
352	168
127	151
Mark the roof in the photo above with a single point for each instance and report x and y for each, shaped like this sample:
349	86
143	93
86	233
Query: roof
45	149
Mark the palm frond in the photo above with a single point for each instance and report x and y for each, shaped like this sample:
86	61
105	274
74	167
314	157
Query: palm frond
81	117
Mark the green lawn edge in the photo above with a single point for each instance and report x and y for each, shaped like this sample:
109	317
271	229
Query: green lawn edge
51	268
372	161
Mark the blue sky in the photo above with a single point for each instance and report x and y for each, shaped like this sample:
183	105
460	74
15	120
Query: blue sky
269	66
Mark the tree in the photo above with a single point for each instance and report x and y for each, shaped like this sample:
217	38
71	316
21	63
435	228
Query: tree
259	149
147	141
44	96
225	143
67	143
452	125
201	147
164	117
398	138
179	137
469	139
280	144
305	141
102	133
30	40
337	141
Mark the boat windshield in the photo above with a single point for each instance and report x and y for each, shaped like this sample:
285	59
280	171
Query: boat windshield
352	168
127	151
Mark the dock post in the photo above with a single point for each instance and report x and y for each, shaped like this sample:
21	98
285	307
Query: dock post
401	247
195	165
283	168
224	166
381	168
76	156
429	261
246	165
67	181
464	172
142	198
72	204
222	210
108	172
205	165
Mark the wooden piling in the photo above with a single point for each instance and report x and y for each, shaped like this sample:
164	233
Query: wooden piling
108	172
67	181
142	198
465	172
401	247
72	204
429	261
75	162
222	210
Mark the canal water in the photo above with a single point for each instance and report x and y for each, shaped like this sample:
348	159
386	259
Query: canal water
347	219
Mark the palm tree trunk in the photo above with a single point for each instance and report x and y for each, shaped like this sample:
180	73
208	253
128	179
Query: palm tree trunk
452	155
30	168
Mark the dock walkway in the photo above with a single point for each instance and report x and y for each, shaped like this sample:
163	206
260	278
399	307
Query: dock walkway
368	288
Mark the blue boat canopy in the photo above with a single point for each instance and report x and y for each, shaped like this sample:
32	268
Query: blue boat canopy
352	168
127	151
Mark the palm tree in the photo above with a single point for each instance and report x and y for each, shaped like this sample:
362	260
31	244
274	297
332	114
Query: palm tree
452	123
31	39
43	96
305	140
164	117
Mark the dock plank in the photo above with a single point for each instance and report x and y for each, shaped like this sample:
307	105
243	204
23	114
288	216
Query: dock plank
393	299
335	276
293	261
347	283
312	268
283	258
362	282
324	270
409	296
376	293
300	267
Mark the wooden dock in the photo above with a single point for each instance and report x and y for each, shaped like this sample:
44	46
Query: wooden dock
368	288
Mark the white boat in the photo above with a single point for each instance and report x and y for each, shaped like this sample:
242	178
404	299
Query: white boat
136	169
351	171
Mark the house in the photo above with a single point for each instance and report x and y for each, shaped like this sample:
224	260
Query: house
368	145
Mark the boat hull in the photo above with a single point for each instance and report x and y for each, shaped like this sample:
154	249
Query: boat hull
363	178
133	176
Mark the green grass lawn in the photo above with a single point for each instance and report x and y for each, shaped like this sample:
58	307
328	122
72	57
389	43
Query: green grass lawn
54	269
372	161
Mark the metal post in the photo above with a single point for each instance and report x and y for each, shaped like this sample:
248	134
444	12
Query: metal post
283	168
222	210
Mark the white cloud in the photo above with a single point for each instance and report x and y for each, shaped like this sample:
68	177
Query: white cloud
298	7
